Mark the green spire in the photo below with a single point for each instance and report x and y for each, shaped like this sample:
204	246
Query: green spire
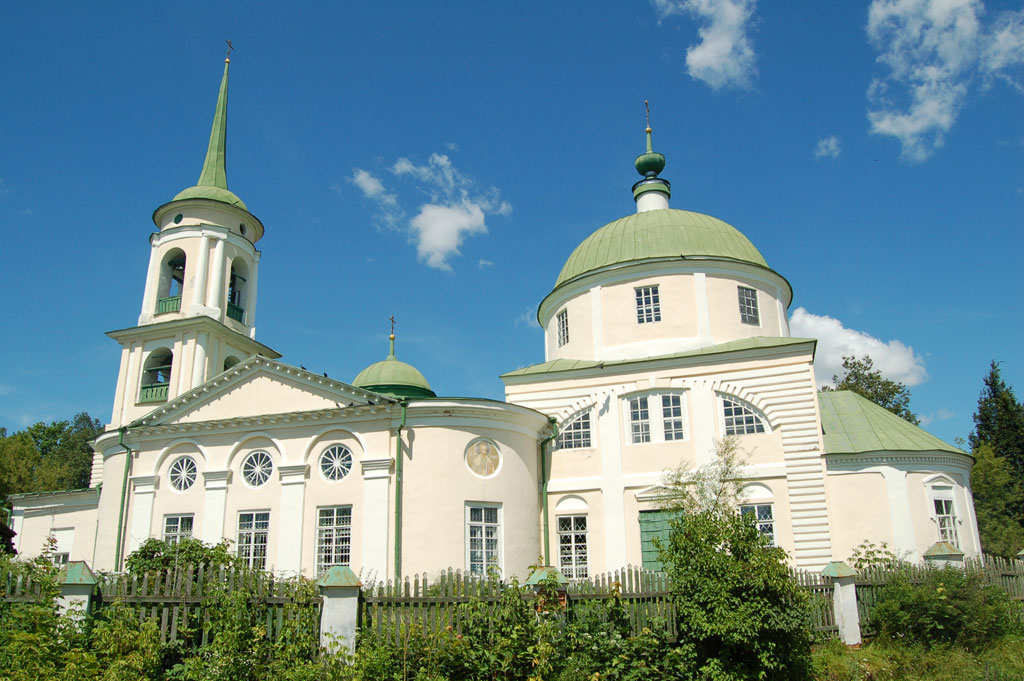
213	181
214	169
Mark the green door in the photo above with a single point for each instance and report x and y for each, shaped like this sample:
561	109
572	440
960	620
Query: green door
653	524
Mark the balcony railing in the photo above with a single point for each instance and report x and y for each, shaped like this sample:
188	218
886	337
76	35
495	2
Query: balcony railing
236	313
156	392
172	304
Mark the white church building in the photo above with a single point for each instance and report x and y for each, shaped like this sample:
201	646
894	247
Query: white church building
666	331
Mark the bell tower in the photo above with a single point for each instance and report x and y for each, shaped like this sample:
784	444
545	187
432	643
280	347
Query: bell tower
199	303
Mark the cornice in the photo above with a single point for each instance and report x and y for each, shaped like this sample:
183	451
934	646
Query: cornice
893	458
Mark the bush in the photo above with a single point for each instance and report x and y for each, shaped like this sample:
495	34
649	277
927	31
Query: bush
157	555
947	606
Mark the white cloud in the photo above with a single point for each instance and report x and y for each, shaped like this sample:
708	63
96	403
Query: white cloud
371	186
934	50
484	263
527	318
724	56
439	231
828	147
895	360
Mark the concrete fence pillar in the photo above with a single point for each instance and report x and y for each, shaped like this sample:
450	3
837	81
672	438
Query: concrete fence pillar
77	584
942	553
844	600
339	617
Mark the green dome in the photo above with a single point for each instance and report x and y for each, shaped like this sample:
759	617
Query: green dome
211	193
666	233
393	378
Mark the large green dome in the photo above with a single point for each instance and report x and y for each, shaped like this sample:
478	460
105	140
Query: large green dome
665	233
393	378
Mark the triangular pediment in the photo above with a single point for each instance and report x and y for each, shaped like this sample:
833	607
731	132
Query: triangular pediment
259	387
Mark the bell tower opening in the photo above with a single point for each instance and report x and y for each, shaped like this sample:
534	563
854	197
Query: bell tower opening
237	290
156	376
172	282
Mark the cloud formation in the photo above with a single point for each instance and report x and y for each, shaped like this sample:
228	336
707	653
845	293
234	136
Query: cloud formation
935	51
724	57
455	206
828	147
527	318
894	359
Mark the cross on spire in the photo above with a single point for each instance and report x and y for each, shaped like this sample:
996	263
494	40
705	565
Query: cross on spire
230	48
648	108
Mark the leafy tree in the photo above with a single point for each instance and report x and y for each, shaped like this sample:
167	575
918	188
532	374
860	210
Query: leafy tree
158	555
46	457
739	613
996	494
862	378
999	421
24	469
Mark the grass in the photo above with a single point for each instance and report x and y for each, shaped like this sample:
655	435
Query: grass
880	661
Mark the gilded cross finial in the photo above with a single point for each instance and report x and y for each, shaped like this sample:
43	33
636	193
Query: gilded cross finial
230	48
648	108
392	320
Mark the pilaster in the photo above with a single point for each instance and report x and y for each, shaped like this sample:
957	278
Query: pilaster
376	514
214	505
289	543
143	494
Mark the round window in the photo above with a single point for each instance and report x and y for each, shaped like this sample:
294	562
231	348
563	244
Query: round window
256	468
241	229
178	218
336	462
183	473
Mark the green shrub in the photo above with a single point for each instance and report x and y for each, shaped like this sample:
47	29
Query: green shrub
157	555
947	606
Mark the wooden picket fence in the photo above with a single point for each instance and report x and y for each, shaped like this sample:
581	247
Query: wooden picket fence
821	590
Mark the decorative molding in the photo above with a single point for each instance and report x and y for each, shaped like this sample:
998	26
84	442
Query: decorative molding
216	479
862	460
377	468
294	474
144	484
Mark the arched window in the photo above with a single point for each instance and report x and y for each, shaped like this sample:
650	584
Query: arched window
237	290
740	418
230	361
156	376
571	524
172	281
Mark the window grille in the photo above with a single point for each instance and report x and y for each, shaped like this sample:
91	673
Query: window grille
336	462
333	537
572	546
183	473
672	414
177	527
740	419
256	468
762	514
945	517
748	306
576	434
639	420
563	328
483	538
648	306
253	528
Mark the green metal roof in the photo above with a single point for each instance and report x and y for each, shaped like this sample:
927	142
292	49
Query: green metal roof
853	424
213	180
393	378
558	365
666	233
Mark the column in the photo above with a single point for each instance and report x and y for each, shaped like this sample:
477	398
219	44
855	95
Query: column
609	443
215	296
703	405
290	530
904	539
198	299
143	493
250	302
199	360
596	321
376	512
700	292
149	293
214	504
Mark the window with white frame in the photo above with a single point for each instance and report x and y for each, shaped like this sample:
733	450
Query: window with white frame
183	473
944	513
178	527
740	419
256	468
253	529
333	537
648	306
748	306
563	327
643	428
672	417
763	517
483	538
572	546
576	434
639	420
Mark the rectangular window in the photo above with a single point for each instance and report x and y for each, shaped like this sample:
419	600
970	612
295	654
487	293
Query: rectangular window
672	415
60	559
945	517
253	528
748	306
639	420
762	514
563	327
483	538
333	537
177	527
576	435
572	546
648	307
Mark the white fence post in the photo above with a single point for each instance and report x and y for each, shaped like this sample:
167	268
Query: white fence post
339	617
844	600
943	553
77	583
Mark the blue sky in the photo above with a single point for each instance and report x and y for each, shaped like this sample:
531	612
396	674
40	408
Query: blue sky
439	163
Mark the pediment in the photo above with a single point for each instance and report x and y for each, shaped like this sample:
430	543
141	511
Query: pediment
259	387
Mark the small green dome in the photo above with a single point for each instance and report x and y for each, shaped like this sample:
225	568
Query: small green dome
393	378
665	233
211	193
649	164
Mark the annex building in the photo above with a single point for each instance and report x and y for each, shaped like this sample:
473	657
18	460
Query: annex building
665	332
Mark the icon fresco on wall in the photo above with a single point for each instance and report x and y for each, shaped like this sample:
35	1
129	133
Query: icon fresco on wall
483	458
